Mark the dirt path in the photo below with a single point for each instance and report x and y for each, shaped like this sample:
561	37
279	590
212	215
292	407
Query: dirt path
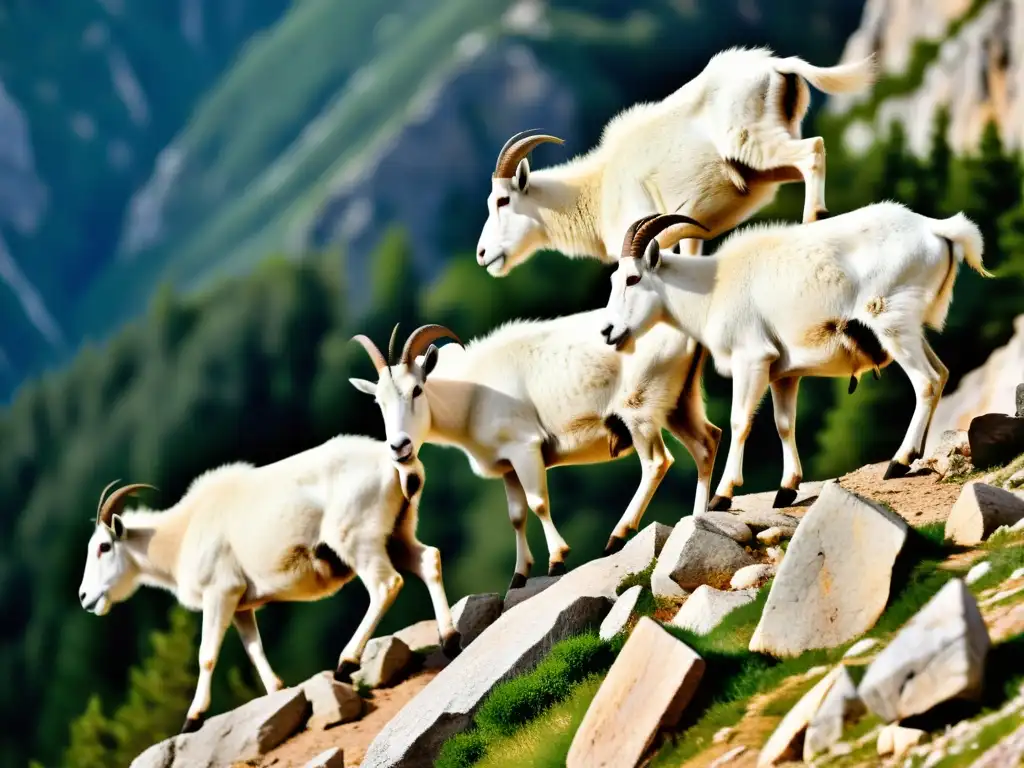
353	738
919	499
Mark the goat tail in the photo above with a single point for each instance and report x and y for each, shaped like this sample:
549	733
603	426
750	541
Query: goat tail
966	237
964	241
843	78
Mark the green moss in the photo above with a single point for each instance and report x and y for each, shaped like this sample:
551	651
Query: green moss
639	578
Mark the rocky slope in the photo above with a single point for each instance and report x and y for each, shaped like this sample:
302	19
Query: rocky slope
967	55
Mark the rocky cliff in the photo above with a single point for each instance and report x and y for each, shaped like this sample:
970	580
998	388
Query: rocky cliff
967	55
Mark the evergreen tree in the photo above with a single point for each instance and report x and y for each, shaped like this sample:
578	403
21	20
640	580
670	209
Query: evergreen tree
935	173
91	743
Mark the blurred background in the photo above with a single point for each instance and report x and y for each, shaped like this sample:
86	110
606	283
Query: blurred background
201	201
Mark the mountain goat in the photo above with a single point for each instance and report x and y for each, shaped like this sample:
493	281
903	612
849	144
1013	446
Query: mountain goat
775	303
537	394
244	536
716	149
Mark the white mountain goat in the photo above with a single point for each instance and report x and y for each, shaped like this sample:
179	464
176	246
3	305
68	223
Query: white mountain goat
537	394
244	536
775	303
716	149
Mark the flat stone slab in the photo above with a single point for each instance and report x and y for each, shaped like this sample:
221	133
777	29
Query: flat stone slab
979	511
422	634
781	745
840	707
647	688
750	504
533	586
938	655
834	581
620	614
707	606
514	645
728	524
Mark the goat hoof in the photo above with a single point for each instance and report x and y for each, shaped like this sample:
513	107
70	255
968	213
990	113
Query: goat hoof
343	674
615	544
896	470
784	498
193	724
821	215
518	581
719	503
451	646
557	569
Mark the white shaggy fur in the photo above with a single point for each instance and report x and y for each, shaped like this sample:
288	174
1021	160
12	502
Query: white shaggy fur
716	150
536	394
833	298
295	530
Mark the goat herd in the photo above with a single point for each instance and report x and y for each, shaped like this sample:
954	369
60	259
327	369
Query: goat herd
827	297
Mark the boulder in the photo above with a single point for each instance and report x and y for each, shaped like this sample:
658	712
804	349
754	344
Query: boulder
752	576
515	644
333	702
618	617
384	662
995	438
762	520
939	655
834	581
980	509
475	613
696	553
421	635
707	606
646	689
771	536
897	740
533	586
840	707
332	758
782	745
245	733
729	525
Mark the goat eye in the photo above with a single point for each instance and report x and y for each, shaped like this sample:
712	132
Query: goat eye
104	547
502	202
632	280
417	391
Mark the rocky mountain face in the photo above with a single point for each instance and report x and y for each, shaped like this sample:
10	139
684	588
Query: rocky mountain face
966	55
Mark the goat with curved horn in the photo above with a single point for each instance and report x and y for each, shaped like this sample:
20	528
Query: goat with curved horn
114	503
649	227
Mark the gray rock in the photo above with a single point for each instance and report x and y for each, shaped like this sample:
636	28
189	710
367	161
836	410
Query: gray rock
979	511
764	519
729	525
840	707
782	744
995	438
515	644
245	733
533	586
695	554
707	606
384	662
939	655
475	613
618	617
752	576
646	689
332	758
834	581
333	702
421	635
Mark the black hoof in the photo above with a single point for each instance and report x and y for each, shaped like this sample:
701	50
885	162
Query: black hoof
343	674
518	581
853	385
451	646
615	544
193	724
557	569
719	503
895	470
821	215
784	498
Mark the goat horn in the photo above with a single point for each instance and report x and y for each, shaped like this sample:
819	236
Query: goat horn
650	229
115	502
422	338
518	147
627	241
103	495
391	344
371	349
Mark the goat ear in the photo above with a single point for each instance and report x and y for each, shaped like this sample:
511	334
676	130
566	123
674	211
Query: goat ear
652	255
117	527
429	361
523	175
364	386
